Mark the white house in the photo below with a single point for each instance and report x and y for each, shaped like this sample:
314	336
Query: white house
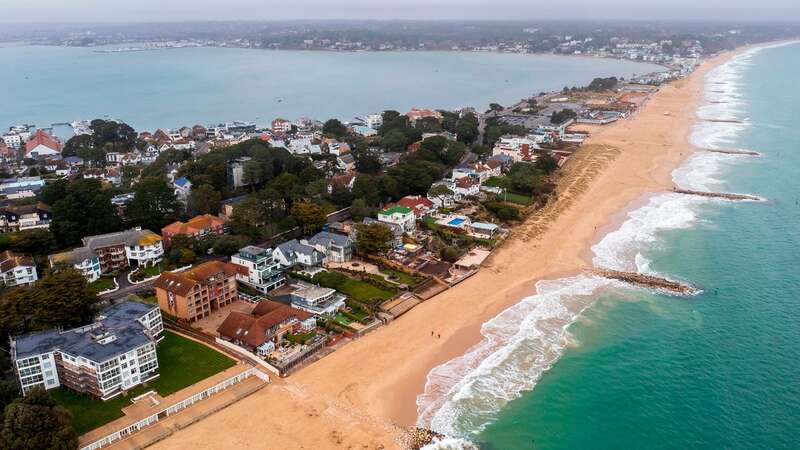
182	187
83	259
374	121
401	216
517	147
264	271
17	270
295	253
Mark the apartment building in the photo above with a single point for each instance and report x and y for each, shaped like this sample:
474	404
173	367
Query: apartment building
132	248
112	355
196	293
17	270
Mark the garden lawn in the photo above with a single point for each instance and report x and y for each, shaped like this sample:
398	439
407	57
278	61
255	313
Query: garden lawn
356	289
182	362
519	199
402	277
103	283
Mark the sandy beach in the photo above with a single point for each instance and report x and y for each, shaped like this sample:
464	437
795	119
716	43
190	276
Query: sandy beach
361	395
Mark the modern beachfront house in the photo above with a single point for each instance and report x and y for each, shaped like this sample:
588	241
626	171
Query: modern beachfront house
262	269
114	354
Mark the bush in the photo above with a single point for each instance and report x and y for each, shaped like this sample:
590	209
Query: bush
502	211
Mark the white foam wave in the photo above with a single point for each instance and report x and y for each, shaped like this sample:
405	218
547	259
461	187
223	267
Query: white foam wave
463	395
618	250
450	444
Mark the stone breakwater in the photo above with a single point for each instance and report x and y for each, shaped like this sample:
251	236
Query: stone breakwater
726	151
722	195
648	281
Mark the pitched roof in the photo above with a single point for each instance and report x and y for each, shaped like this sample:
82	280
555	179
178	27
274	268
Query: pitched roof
42	138
289	248
182	283
74	256
182	182
255	328
324	238
129	237
10	260
415	201
194	225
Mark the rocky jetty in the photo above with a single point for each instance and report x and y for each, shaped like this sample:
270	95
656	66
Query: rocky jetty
723	195
648	281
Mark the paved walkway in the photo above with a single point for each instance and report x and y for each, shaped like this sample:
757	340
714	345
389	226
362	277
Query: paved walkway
146	406
165	427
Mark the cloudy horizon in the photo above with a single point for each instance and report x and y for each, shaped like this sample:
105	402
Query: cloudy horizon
85	11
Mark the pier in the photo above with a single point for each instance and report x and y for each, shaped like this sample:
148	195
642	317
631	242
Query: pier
727	151
722	195
648	281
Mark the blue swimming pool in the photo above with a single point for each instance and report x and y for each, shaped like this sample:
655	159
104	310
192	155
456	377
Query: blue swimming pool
456	222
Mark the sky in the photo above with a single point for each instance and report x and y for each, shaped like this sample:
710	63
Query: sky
193	10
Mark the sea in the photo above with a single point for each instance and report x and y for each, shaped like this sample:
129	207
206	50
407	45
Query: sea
170	88
591	364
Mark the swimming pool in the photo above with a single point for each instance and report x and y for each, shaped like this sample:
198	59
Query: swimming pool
456	222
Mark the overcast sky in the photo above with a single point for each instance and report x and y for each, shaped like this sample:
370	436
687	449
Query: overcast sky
188	10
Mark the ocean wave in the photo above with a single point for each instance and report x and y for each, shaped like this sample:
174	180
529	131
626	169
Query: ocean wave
618	250
450	444
464	394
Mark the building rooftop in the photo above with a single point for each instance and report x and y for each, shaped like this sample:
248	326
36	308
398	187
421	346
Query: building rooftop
395	210
130	238
114	332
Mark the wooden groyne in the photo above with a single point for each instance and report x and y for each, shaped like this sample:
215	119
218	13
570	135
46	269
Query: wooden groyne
722	195
648	281
731	151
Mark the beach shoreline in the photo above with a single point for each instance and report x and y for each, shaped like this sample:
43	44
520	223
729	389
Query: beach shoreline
364	393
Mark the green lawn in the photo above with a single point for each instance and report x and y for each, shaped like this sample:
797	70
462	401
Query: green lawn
402	277
519	199
300	338
495	182
182	362
356	289
103	283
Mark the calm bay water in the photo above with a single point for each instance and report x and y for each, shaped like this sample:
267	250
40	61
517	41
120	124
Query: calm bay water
175	87
719	370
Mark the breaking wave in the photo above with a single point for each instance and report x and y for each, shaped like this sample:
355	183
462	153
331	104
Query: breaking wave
465	394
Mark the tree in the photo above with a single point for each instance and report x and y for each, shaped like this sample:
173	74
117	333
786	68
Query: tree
395	141
373	239
333	127
154	205
440	192
37	422
502	211
61	299
310	216
248	218
359	209
204	199
467	128
228	245
36	241
84	209
525	178
562	116
546	163
449	253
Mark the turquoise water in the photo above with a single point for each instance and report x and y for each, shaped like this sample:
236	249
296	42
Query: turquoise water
171	88
641	370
